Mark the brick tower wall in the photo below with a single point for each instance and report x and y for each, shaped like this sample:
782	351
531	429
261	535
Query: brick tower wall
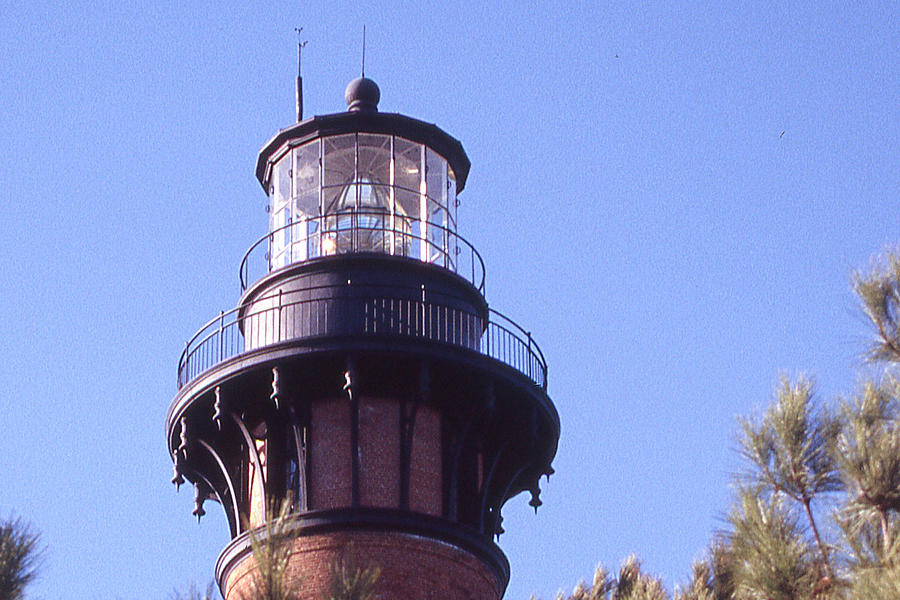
379	456
412	567
425	472
379	453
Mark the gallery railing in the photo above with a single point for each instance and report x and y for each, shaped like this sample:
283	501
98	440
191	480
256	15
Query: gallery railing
361	231
272	321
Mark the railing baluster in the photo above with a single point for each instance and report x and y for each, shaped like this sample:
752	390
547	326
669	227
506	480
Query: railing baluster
221	327
278	330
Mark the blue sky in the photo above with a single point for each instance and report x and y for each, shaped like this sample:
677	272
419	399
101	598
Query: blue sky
672	198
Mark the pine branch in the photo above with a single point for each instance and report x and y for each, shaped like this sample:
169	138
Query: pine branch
879	294
20	557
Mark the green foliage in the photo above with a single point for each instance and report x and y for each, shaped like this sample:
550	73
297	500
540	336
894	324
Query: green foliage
631	584
601	588
876	582
790	453
879	293
272	552
772	558
801	460
712	577
868	452
349	582
701	584
722	564
797	452
20	556
789	447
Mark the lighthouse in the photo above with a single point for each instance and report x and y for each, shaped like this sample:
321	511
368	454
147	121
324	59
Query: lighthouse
362	392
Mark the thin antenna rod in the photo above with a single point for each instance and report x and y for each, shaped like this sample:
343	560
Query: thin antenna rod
364	52
300	44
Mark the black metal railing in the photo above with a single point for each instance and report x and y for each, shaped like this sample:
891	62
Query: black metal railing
361	231
271	320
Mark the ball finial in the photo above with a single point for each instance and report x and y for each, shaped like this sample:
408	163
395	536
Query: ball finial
362	94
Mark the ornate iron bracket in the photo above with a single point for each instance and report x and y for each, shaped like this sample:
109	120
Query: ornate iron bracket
254	456
180	456
201	492
276	395
486	485
350	384
234	515
218	414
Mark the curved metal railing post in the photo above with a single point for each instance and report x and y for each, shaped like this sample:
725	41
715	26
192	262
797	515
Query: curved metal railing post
182	362
529	354
221	332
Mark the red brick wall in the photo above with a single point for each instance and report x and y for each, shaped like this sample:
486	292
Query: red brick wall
379	456
379	452
425	465
412	567
330	454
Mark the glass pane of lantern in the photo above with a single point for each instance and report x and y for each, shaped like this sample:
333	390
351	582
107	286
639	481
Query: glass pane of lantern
362	229
375	160
451	196
280	238
451	223
437	245
306	200
407	177
281	188
374	177
306	180
339	166
298	242
408	171
313	239
436	177
284	235
436	184
414	239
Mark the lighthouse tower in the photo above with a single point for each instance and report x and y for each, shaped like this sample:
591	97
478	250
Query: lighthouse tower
362	385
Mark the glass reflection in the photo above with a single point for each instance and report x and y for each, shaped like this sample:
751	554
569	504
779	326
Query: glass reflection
362	193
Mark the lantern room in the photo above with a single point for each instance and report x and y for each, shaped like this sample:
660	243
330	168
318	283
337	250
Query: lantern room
362	182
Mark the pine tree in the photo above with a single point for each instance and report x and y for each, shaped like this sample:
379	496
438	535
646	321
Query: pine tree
713	576
879	294
20	556
868	452
773	560
631	584
789	452
803	459
272	553
349	582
